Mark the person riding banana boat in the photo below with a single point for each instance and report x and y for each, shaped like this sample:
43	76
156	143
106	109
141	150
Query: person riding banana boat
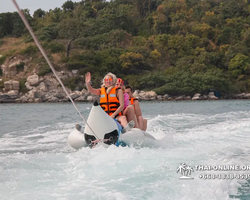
111	100
128	110
135	103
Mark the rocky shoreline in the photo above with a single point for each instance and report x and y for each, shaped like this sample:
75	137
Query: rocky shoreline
33	88
47	89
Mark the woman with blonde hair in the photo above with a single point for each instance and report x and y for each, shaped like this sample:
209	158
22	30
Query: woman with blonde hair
111	98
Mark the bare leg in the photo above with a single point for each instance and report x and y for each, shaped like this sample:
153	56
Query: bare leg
130	114
123	120
140	122
145	124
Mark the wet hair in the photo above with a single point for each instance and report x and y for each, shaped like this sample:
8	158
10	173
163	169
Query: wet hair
129	87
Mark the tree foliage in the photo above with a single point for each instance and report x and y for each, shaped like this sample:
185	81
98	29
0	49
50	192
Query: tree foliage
12	25
68	6
39	13
172	46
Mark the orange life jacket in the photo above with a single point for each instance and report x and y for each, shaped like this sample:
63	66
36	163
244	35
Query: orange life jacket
109	102
132	101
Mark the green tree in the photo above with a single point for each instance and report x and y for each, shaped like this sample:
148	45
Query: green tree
68	6
39	13
133	62
239	65
5	26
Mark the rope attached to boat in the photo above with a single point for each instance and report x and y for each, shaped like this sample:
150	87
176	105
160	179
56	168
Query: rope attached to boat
95	142
48	61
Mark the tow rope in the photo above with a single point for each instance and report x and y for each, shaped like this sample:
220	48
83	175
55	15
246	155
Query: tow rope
26	23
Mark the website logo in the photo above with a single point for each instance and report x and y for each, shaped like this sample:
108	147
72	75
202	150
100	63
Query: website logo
185	171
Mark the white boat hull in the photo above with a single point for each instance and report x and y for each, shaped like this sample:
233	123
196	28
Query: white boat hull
102	129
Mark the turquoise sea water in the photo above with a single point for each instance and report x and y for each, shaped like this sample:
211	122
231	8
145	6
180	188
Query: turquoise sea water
37	163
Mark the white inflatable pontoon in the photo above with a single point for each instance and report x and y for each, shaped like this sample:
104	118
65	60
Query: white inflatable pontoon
102	129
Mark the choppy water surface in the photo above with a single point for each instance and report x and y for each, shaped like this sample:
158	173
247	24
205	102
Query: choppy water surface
37	163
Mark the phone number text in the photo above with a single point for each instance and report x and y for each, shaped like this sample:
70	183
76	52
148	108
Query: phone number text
228	176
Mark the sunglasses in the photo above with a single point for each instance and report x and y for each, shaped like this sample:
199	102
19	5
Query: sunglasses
108	79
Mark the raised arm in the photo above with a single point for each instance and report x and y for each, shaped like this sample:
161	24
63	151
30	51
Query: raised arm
121	101
89	87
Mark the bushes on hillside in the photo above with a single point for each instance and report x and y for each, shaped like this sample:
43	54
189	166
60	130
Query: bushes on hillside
30	50
2	59
1	84
44	69
171	46
48	33
74	83
22	86
56	47
20	67
180	81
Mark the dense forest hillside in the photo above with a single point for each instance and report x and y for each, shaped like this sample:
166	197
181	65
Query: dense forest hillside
169	46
